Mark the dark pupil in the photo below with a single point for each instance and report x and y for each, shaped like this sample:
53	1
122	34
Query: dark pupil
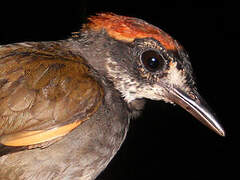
152	60
153	63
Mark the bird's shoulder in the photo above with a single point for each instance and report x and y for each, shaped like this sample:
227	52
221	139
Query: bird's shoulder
45	92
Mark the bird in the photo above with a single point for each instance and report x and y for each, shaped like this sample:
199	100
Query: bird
66	105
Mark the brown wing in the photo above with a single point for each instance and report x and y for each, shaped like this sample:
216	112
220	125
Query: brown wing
45	92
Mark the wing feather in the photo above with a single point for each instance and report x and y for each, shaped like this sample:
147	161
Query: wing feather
43	87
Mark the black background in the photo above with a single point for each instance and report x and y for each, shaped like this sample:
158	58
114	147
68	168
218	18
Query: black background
165	142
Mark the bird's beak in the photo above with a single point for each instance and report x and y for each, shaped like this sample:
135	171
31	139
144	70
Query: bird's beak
197	107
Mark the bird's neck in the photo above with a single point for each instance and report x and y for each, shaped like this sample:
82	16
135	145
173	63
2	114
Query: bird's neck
95	49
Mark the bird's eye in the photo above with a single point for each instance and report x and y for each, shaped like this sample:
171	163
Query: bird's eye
152	60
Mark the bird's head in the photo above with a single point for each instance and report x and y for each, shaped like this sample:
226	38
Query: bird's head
143	61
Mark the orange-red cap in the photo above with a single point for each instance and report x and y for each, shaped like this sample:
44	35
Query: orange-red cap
128	28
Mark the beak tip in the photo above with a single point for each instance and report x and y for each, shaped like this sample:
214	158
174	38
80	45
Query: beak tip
221	132
199	109
216	126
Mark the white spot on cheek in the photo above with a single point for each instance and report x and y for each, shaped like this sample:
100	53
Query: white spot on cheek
176	77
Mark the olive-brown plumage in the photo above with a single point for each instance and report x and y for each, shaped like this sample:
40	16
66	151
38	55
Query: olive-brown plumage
65	106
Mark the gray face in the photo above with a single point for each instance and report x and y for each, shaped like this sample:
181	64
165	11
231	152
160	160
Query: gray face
145	69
